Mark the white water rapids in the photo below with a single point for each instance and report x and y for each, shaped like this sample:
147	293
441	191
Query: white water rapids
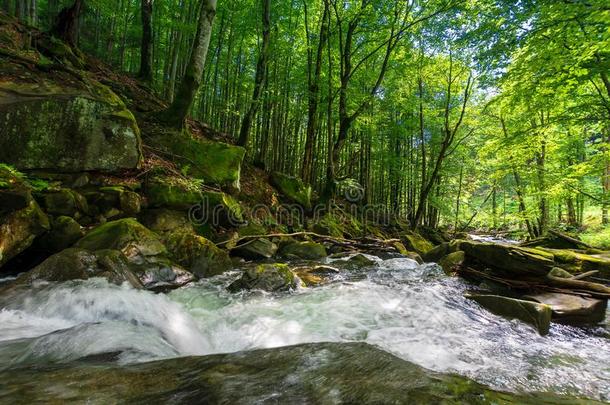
414	312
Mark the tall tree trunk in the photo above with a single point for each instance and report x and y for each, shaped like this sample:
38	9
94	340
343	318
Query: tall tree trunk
146	49
261	67
314	89
66	24
180	107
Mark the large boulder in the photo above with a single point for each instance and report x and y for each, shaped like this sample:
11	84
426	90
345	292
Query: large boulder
417	243
302	250
533	313
173	192
293	189
144	250
199	255
21	219
572	309
313	373
266	277
47	126
510	259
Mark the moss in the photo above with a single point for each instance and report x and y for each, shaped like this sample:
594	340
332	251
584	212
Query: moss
222	203
416	242
303	250
175	192
202	257
293	189
453	260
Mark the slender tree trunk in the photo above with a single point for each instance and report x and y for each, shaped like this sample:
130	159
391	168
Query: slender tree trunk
146	50
261	67
179	109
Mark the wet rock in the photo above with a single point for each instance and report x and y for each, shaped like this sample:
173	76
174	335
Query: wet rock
293	189
359	261
314	373
303	250
199	255
533	313
143	249
452	261
316	275
255	249
414	256
440	251
572	309
266	277
510	259
67	129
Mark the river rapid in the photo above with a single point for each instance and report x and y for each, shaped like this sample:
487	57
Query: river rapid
412	311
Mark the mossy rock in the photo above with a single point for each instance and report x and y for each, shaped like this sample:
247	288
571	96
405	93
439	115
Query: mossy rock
261	248
65	231
415	242
19	228
214	162
293	189
163	220
510	260
452	261
576	262
65	202
222	208
197	254
533	313
252	229
267	277
47	126
172	192
440	251
303	250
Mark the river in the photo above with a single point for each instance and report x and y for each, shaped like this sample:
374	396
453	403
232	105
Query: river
412	311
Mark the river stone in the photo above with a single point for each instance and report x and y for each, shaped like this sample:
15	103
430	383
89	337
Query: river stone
65	231
316	275
415	242
452	261
256	249
47	126
313	373
266	277
533	313
293	189
572	309
303	250
198	254
510	259
143	249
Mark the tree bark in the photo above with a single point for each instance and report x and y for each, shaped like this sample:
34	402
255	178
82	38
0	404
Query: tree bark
66	24
146	49
261	67
180	107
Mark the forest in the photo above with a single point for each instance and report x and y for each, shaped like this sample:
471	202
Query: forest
304	201
481	114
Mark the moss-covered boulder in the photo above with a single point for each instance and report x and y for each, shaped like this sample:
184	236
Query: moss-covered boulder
81	264
173	192
47	126
302	250
575	262
509	259
452	261
65	231
214	162
440	251
65	202
144	250
266	277
293	189
255	249
221	208
163	220
21	219
417	243
197	254
533	313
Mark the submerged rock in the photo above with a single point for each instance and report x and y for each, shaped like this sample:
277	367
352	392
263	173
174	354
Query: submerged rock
315	373
572	309
533	313
47	126
266	277
303	250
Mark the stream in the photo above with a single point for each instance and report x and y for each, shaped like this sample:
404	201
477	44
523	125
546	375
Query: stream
412	311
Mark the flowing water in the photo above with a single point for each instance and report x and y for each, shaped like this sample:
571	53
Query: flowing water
414	312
